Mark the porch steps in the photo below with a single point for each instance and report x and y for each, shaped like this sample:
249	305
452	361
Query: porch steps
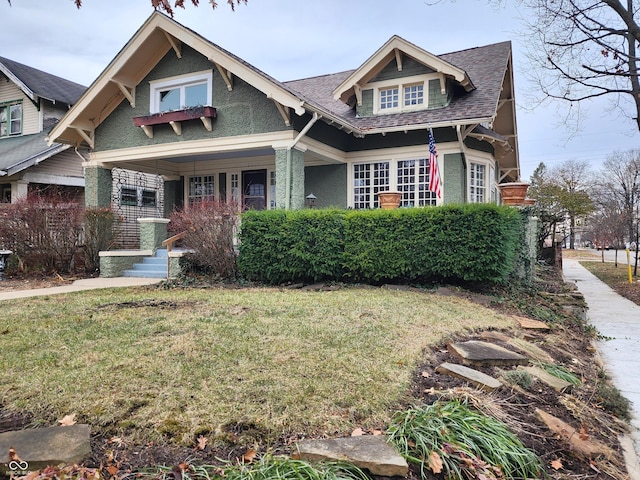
151	267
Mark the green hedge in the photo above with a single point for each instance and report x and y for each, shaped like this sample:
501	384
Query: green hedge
454	243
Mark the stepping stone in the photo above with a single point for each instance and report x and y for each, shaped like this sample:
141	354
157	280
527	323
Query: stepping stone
530	324
531	350
40	447
581	447
479	379
493	335
368	452
475	352
545	377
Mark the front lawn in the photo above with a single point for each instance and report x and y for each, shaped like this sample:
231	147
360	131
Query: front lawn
170	365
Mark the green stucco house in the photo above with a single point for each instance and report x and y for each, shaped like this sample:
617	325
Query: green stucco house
175	106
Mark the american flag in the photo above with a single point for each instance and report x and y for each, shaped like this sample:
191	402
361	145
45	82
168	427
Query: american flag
434	175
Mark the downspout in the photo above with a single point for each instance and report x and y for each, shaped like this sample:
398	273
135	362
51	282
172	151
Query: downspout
302	133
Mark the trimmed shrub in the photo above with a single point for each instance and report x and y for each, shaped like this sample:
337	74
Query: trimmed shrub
456	243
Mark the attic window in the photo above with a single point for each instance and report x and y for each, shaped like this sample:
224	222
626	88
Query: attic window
417	92
183	91
10	119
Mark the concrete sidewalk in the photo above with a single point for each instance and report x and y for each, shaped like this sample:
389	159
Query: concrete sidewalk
78	285
618	321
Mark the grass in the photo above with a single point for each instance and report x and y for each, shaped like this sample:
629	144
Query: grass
234	365
451	438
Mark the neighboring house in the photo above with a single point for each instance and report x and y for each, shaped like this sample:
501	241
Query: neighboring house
175	104
31	102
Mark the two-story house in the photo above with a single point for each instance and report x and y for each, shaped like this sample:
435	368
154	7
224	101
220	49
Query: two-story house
175	104
31	102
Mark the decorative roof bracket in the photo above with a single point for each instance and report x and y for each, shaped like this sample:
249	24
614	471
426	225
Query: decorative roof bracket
128	92
175	44
87	135
284	112
226	76
398	58
358	91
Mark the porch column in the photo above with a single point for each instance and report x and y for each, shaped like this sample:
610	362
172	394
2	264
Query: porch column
19	189
153	231
98	187
292	162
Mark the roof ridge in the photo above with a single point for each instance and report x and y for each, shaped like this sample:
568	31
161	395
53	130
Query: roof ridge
319	76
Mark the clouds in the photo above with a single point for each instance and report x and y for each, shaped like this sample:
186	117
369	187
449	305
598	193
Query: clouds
291	39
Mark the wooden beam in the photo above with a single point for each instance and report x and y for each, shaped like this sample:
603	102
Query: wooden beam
177	127
358	91
128	92
206	121
226	76
86	136
148	130
443	84
175	44
284	113
398	58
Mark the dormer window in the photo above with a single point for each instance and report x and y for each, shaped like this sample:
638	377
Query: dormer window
409	94
180	92
10	119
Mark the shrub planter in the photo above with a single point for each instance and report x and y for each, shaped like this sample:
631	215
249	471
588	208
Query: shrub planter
389	200
513	193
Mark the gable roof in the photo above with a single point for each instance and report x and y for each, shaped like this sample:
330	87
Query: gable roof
487	66
36	83
481	73
394	48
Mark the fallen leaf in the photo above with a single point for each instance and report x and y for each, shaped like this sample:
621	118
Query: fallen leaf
117	441
583	432
249	456
358	432
202	443
435	462
430	391
594	466
68	420
177	473
112	470
376	433
426	374
557	464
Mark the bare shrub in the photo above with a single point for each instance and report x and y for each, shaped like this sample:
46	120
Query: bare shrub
43	231
209	228
101	229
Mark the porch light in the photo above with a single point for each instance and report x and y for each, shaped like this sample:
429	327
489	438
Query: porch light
311	200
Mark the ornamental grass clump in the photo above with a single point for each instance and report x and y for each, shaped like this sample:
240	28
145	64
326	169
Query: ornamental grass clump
267	468
449	438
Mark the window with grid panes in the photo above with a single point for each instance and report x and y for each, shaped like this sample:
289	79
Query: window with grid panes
413	95
389	98
413	183
368	180
201	187
477	182
272	189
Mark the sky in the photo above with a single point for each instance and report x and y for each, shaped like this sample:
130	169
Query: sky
293	39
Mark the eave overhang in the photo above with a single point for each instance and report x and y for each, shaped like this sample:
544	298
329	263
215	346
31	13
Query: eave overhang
393	49
157	36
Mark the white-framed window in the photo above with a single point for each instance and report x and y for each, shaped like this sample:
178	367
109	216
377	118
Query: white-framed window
10	119
477	182
401	95
272	189
182	91
201	188
368	180
410	177
413	183
235	188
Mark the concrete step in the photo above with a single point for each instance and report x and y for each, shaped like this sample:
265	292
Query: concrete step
145	273
150	267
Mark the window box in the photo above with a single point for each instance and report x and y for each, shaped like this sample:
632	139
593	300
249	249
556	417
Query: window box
174	118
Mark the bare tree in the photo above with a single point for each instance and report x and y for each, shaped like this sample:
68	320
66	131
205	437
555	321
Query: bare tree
167	7
620	179
584	49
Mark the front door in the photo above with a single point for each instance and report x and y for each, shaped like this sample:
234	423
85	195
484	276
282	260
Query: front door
254	190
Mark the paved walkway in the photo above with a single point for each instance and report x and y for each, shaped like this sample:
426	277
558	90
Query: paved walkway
618	321
78	285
